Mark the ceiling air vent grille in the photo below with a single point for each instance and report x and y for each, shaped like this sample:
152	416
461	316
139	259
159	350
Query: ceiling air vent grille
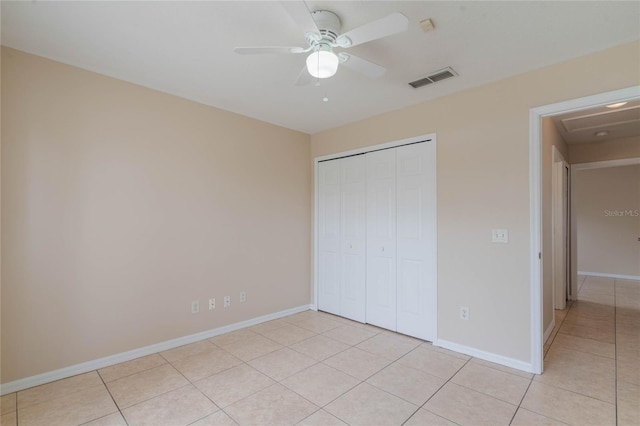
434	77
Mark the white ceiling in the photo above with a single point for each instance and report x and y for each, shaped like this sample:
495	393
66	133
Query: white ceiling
186	48
585	126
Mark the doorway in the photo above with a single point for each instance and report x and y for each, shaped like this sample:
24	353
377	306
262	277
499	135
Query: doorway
606	213
535	185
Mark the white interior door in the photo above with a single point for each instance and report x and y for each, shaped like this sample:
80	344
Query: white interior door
559	209
416	240
353	237
329	245
381	238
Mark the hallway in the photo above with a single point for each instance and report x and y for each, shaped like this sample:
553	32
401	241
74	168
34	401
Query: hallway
592	358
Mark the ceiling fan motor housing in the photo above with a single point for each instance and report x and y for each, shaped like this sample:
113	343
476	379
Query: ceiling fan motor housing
329	25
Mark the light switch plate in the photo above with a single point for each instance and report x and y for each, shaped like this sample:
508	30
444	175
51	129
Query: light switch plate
499	235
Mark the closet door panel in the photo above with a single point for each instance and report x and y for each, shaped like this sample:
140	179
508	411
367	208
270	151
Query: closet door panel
416	240
329	253
353	237
381	239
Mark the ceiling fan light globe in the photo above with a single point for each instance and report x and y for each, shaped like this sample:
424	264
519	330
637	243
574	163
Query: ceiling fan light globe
322	64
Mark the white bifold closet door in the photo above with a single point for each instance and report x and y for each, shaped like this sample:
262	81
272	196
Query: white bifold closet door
377	238
401	240
341	235
381	238
416	229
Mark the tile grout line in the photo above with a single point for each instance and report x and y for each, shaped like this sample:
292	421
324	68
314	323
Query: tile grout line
361	380
189	382
365	380
17	419
266	375
448	380
322	362
421	407
140	371
615	346
523	397
112	398
304	369
559	327
243	362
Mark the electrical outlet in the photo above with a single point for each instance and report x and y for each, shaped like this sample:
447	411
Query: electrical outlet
500	236
195	306
464	313
243	296
227	301
212	304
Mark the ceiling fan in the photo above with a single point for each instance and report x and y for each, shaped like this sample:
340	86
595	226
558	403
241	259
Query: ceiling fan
322	33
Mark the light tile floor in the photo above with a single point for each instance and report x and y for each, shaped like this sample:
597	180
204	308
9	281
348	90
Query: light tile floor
314	368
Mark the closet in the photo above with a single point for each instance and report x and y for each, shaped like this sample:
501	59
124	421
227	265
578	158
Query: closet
377	238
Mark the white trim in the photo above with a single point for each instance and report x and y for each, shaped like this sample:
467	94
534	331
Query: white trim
609	163
535	175
107	361
573	236
487	356
605	275
549	330
393	144
314	251
535	245
557	157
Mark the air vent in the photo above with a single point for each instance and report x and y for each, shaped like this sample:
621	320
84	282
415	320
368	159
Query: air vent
434	77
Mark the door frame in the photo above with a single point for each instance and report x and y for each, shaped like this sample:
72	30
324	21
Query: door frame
574	168
560	193
536	115
314	246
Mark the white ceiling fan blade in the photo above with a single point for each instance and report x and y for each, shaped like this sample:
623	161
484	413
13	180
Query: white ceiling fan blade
301	15
383	27
361	65
304	77
267	49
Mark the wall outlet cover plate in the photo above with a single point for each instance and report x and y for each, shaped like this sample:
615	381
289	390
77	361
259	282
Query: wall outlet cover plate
499	235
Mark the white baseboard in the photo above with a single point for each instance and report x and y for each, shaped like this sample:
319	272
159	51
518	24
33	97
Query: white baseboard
549	329
487	356
618	276
95	364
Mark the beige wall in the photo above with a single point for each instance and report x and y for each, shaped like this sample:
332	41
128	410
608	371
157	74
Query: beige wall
602	151
122	204
483	183
550	138
608	220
